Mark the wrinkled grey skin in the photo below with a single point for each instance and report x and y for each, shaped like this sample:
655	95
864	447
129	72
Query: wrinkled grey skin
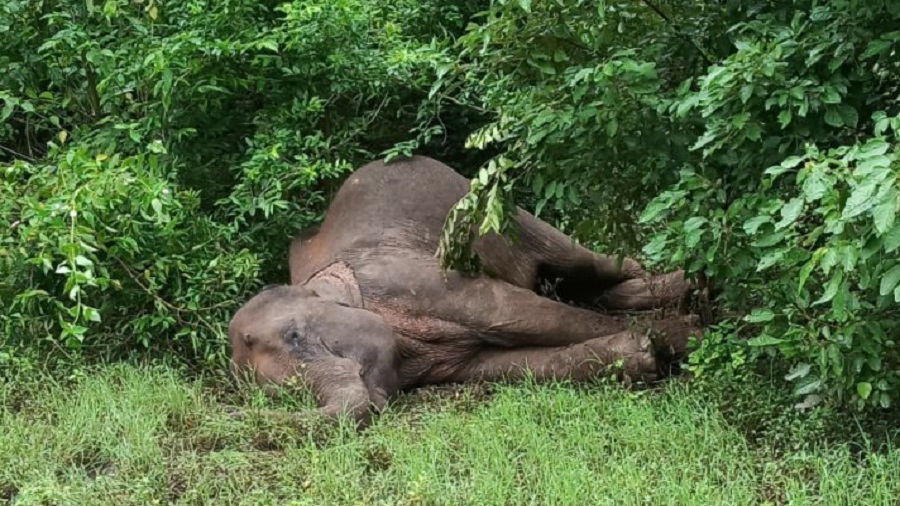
369	313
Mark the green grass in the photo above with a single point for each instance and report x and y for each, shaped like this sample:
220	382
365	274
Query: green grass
130	435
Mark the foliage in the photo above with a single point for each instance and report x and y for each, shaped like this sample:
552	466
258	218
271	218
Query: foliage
576	112
111	242
751	142
794	195
158	157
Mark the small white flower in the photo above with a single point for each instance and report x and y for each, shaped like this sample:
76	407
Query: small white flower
73	213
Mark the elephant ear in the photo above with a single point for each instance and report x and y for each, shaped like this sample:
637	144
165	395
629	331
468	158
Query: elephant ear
336	283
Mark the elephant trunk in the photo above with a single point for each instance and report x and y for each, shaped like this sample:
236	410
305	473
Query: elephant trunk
339	388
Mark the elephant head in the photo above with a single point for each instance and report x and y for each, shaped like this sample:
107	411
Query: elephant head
319	336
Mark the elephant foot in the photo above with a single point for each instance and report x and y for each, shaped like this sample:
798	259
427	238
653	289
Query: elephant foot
670	340
697	299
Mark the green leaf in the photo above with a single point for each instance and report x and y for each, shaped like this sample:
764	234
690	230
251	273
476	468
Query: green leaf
881	123
829	260
760	316
739	120
8	108
157	205
764	340
890	280
892	239
788	163
798	371
784	118
874	148
525	5
833	117
831	289
91	314
860	200
805	271
694	231
872	245
816	185
769	240
884	214
769	260
790	212
864	389
654	210
808	387
268	44
753	224
877	46
831	95
849	256
695	223
703	140
746	92
655	246
776	170
612	127
849	116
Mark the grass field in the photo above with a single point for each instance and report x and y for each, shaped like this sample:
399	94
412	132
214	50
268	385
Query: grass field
146	435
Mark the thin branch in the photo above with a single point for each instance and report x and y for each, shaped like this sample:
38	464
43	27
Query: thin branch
175	309
17	154
668	21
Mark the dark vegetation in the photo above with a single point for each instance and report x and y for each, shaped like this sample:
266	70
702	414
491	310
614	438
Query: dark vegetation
156	158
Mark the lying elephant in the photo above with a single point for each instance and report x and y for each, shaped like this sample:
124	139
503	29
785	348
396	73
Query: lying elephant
369	312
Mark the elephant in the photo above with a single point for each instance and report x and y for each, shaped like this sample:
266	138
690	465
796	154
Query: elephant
370	312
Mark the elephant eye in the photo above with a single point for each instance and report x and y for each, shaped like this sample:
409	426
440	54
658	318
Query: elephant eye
292	335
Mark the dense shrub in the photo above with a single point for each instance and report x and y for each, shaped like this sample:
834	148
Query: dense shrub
752	142
158	157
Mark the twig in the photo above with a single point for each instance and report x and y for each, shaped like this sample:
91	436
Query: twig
16	153
175	309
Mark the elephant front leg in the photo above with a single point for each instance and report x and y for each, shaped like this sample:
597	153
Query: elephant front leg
506	316
630	355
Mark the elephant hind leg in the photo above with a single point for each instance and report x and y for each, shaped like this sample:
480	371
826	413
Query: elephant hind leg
671	290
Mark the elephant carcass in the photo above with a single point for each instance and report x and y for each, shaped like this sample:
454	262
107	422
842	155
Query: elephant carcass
369	312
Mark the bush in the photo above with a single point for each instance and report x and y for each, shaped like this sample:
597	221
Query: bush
158	157
751	142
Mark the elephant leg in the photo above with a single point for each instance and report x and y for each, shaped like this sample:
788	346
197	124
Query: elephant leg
542	252
630	356
669	290
545	255
494	312
506	316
